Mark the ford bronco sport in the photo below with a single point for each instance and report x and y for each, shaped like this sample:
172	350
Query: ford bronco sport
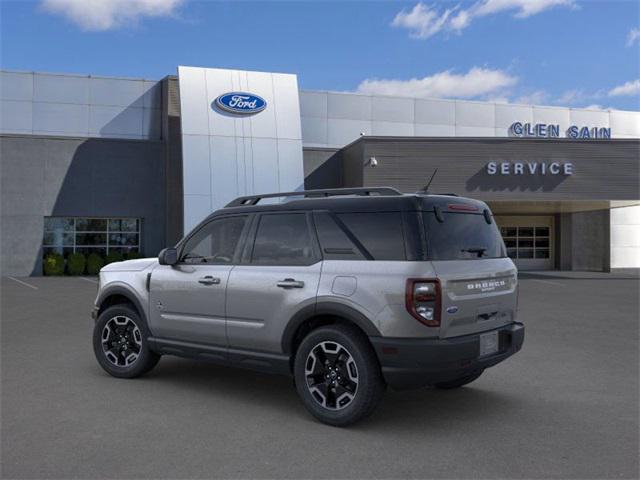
346	290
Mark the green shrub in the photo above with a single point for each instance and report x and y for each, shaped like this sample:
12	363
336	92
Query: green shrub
132	255
113	257
53	264
76	263
94	263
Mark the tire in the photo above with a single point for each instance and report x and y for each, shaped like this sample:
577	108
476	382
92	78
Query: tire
126	333
458	382
337	375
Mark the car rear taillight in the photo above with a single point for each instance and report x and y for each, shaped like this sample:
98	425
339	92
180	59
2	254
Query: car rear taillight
422	299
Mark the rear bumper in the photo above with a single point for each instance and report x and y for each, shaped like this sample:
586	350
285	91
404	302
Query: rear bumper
412	363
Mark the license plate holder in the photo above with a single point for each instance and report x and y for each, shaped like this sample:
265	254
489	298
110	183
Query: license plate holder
489	343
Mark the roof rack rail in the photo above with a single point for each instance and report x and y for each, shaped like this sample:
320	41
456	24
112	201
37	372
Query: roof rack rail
331	192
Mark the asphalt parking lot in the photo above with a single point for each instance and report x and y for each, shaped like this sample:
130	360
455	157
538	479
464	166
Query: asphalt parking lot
565	407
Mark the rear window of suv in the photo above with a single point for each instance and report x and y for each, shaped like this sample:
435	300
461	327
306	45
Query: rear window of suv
462	236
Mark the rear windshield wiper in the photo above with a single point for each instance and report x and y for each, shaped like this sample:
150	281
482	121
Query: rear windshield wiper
478	250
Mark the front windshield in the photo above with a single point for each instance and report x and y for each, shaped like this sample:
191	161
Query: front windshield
462	236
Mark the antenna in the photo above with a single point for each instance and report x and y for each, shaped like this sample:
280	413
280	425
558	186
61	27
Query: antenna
426	188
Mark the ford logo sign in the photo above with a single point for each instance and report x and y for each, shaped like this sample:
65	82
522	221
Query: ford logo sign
240	103
452	309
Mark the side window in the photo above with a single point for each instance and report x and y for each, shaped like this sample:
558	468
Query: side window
215	243
335	243
283	239
379	233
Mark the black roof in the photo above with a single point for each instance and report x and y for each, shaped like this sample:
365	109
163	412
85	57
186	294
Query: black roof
349	200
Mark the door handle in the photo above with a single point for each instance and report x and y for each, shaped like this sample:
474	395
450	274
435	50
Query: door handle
209	280
290	283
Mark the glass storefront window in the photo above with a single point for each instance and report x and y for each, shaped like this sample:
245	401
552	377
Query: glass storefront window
65	235
526	242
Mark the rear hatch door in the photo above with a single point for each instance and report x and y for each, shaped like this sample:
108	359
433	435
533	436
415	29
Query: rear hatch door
477	295
478	282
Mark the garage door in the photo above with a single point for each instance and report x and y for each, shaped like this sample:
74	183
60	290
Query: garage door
529	241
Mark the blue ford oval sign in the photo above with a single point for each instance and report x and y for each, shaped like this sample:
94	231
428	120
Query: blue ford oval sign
240	103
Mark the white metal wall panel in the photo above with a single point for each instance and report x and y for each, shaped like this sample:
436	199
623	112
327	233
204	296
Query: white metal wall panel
314	130
425	130
313	104
625	237
471	114
247	154
61	118
389	109
16	117
392	129
552	115
624	123
435	112
287	106
116	92
506	115
598	118
115	121
349	106
464	131
61	89
194	104
80	106
16	86
341	132
348	114
197	178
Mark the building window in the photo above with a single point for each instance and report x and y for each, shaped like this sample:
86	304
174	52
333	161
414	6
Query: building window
526	242
65	235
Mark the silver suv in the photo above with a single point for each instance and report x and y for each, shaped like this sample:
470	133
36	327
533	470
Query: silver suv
346	290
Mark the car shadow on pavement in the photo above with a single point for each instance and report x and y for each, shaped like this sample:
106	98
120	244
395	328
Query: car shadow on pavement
411	410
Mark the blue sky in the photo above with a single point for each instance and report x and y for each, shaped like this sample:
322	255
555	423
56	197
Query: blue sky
562	52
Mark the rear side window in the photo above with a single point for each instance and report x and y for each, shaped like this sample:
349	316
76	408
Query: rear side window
379	234
335	241
283	239
462	236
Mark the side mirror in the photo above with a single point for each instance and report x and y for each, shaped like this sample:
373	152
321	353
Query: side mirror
168	256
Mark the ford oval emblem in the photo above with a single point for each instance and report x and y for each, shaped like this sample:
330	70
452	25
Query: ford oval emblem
240	103
452	309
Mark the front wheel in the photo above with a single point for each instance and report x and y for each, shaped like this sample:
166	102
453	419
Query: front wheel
120	343
337	375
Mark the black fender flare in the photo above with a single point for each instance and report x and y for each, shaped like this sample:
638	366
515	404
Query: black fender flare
122	291
329	309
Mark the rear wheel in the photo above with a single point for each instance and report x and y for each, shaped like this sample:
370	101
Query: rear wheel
459	382
120	342
337	375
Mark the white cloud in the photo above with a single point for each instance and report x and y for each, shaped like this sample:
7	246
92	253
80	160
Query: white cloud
421	21
629	88
633	36
424	22
571	97
475	83
538	97
595	106
99	15
524	8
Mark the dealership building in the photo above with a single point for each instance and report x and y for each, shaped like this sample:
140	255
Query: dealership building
102	164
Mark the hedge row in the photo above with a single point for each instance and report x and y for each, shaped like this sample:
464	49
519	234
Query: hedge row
80	264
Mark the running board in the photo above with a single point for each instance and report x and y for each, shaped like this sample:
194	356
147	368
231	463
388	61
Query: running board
250	359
